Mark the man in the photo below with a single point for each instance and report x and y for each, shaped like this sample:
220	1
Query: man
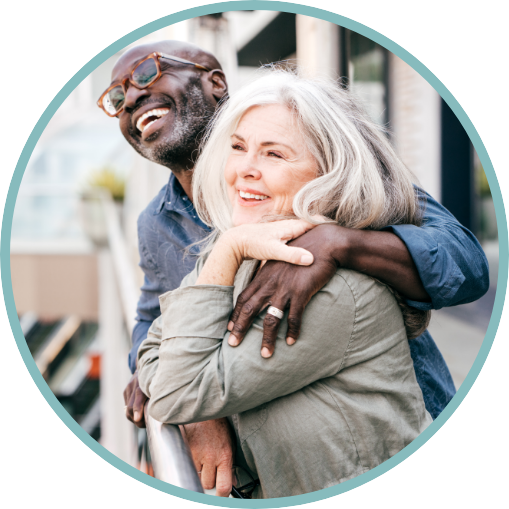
164	94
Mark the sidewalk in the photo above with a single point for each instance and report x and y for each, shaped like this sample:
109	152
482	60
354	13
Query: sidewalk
459	342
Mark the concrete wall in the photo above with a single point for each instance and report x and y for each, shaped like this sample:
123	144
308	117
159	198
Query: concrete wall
317	46
415	121
53	285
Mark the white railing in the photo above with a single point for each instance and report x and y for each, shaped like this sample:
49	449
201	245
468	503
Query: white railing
171	458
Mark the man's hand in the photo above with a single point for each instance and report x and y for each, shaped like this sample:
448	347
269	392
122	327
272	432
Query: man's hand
212	447
284	285
381	255
135	400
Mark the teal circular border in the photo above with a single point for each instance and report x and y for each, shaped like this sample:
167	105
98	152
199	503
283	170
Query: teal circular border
240	6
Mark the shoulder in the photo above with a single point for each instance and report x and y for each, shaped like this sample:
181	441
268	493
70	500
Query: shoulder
370	297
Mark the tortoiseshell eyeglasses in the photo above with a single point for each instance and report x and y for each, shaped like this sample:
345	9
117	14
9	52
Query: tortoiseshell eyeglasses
145	74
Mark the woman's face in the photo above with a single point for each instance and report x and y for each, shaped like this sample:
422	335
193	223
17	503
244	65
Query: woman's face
268	164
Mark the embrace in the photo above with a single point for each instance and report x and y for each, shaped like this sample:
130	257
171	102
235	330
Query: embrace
294	347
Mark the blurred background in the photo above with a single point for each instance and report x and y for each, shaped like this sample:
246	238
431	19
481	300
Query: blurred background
74	244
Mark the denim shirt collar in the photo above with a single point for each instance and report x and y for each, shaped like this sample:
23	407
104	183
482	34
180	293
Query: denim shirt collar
176	200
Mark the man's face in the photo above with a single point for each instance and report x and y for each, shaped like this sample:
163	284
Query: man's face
165	121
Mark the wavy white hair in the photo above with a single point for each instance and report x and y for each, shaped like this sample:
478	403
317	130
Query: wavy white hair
361	182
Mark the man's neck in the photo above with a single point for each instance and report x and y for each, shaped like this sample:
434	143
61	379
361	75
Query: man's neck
183	171
185	178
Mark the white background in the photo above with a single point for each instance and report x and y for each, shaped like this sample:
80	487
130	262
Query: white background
45	43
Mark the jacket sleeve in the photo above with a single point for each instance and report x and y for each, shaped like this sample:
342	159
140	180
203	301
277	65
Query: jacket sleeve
191	374
449	259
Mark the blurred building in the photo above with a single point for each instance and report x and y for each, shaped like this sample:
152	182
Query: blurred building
68	289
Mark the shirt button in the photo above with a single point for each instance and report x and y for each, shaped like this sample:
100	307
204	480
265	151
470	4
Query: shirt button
185	199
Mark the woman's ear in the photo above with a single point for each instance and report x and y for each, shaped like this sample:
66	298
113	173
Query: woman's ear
218	82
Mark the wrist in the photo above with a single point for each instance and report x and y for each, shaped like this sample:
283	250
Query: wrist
231	243
222	264
346	245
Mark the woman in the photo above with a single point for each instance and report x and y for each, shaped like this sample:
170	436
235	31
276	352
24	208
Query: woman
343	398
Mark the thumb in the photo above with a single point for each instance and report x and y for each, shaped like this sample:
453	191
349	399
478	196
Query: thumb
294	255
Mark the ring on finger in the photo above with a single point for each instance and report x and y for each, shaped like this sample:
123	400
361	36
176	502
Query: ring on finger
275	312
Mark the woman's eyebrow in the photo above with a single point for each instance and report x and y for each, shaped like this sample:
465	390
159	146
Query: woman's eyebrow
265	143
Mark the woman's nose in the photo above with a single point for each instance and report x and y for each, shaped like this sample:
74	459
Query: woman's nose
249	169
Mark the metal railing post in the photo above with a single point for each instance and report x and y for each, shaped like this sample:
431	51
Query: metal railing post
171	458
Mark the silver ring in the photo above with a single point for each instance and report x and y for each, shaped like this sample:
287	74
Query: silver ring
275	312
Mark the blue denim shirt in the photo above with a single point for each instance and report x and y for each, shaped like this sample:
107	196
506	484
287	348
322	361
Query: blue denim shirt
449	259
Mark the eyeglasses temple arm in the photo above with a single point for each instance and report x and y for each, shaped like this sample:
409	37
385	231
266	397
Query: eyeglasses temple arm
183	61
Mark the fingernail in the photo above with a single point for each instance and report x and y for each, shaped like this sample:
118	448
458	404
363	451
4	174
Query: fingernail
306	259
233	341
290	341
230	325
265	352
136	416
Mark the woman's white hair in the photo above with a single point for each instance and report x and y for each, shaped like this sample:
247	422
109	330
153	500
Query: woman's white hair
361	182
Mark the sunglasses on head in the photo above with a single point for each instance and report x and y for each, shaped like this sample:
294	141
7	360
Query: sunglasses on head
144	74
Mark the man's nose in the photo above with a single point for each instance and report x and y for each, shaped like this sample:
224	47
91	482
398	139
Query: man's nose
133	95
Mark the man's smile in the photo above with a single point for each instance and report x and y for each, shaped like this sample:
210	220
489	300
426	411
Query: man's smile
150	117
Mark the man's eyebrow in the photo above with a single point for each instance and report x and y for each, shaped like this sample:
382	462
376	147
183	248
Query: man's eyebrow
265	143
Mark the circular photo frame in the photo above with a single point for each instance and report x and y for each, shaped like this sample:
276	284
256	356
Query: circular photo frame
314	13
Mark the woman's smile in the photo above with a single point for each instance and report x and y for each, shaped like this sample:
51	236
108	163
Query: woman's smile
248	197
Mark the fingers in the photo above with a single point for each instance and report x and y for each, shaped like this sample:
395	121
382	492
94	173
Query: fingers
294	323
294	255
131	386
224	479
240	309
208	475
221	478
138	408
270	329
135	400
129	407
249	310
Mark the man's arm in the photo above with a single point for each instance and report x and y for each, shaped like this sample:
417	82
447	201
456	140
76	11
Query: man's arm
438	264
449	260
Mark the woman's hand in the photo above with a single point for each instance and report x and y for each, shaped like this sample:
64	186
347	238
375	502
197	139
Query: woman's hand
267	241
260	241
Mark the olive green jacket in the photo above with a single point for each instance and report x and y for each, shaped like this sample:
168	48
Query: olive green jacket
340	401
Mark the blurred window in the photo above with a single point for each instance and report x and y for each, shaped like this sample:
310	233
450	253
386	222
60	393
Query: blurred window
366	69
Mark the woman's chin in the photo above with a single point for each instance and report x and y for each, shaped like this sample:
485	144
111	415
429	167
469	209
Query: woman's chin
245	218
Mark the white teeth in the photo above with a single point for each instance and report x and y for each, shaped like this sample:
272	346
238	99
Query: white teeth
255	196
152	113
145	126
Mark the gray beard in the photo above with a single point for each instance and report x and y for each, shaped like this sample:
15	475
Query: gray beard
178	145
